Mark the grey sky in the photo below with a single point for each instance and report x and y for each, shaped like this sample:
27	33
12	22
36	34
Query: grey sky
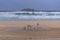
36	4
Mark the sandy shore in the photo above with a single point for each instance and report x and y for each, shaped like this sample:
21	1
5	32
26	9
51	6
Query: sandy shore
50	23
30	35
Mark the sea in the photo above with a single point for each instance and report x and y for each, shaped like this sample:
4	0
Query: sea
17	16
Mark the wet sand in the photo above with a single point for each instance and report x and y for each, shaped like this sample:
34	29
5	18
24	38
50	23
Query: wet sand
48	23
31	35
52	34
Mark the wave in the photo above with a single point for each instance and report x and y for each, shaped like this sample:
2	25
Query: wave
35	16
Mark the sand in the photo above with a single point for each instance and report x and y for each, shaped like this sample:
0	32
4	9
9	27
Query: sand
30	35
46	23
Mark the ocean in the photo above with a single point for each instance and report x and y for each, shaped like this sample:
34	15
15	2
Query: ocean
16	16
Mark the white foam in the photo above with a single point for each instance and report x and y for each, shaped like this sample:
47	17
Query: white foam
12	15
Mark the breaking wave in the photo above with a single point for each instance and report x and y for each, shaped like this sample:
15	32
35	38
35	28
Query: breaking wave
11	16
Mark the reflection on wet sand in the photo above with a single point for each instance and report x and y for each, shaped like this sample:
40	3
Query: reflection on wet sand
27	28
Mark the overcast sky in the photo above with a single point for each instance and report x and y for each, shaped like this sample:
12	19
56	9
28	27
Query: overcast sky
36	4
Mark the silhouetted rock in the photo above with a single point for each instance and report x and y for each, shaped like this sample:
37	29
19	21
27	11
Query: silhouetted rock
29	9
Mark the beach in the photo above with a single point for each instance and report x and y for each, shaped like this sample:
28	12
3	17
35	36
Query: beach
52	34
42	23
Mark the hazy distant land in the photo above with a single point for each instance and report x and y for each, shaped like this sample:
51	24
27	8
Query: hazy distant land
30	9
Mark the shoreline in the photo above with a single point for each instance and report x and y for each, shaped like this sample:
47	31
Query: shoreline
42	23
